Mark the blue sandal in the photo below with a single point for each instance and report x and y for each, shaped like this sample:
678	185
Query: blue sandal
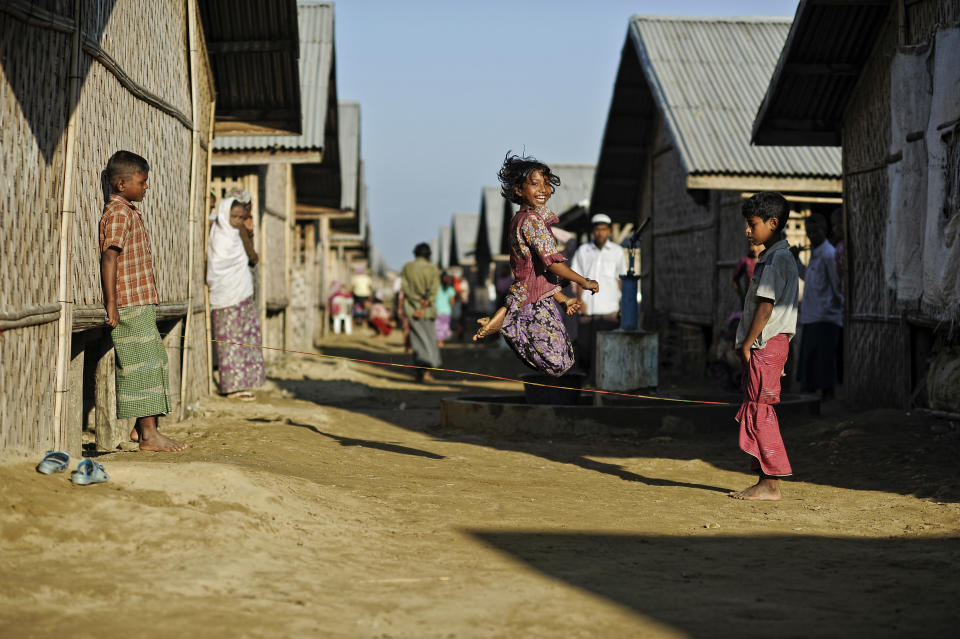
89	472
54	461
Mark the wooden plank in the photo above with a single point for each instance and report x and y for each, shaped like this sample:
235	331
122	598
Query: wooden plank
765	183
110	431
278	156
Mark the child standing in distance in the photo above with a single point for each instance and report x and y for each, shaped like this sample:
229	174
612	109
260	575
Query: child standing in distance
530	321
130	299
768	324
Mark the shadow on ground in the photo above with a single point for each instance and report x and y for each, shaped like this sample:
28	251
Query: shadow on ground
884	450
792	586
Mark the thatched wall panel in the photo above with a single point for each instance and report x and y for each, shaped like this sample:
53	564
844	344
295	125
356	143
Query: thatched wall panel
195	358
148	40
731	246
275	258
303	312
684	251
33	115
877	372
112	119
26	400
925	16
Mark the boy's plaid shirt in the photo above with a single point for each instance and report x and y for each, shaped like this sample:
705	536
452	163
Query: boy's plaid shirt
121	225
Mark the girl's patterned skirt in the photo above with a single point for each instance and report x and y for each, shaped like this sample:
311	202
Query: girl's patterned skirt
537	335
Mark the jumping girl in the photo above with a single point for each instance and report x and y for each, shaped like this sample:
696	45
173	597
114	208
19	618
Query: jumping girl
530	320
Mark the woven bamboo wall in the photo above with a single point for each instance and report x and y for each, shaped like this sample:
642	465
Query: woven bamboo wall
33	114
303	312
684	251
149	42
195	358
26	400
876	344
731	246
112	119
146	44
275	259
876	376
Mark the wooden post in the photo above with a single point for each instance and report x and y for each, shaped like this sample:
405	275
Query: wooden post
289	228
173	343
68	212
206	240
323	260
191	208
253	187
71	441
110	431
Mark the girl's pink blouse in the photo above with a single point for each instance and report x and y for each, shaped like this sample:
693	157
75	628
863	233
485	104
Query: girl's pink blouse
532	249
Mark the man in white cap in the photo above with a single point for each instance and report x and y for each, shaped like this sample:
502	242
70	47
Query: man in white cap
605	262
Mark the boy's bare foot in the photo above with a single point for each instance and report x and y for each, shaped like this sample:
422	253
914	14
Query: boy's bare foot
161	444
766	489
490	325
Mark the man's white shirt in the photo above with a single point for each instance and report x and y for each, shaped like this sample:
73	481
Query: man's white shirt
605	265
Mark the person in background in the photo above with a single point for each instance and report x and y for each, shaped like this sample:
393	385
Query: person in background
840	257
361	285
605	262
421	279
743	273
341	309
444	303
234	316
821	312
380	319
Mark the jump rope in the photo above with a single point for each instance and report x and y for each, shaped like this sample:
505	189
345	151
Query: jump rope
595	391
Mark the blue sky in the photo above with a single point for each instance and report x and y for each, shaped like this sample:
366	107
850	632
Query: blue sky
447	87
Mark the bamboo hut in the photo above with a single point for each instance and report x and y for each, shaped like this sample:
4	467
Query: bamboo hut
886	90
271	168
74	90
676	149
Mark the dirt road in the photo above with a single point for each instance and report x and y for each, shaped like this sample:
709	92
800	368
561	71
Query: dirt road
335	506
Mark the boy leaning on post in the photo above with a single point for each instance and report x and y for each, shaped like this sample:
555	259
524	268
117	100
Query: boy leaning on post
130	300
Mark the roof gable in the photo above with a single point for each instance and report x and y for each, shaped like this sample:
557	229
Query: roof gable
317	87
707	77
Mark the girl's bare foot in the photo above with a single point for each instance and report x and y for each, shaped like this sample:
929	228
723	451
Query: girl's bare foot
490	325
766	489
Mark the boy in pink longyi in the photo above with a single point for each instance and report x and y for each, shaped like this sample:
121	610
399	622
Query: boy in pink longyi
768	324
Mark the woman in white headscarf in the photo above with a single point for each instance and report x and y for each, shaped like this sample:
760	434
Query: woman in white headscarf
234	315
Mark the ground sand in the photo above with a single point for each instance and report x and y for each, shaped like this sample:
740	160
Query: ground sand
336	506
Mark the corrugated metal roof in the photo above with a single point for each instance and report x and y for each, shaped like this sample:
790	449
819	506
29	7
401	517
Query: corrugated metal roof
253	49
491	222
349	114
819	67
316	76
708	77
443	255
576	184
463	246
